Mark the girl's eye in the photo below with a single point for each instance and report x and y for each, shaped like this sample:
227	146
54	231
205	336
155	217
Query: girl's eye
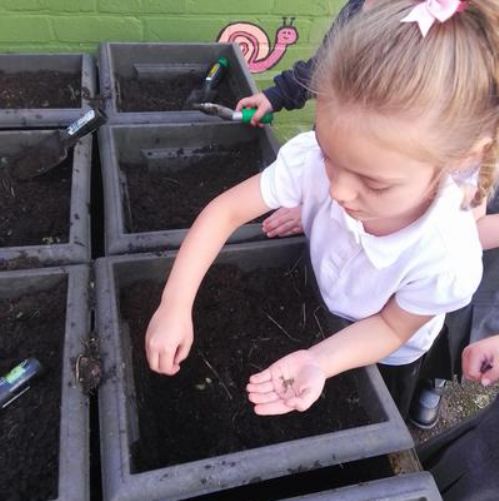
378	191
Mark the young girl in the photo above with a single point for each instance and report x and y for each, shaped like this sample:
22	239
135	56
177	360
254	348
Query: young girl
291	89
391	248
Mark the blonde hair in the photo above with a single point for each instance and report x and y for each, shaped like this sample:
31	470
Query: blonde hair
450	77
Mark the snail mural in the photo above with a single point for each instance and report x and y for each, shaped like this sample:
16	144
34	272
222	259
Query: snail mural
255	43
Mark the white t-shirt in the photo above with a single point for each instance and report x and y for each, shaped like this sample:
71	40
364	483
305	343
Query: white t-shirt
432	266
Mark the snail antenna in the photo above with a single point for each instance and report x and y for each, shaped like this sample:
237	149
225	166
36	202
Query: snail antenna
291	20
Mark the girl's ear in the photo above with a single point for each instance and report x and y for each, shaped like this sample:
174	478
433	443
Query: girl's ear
474	157
478	149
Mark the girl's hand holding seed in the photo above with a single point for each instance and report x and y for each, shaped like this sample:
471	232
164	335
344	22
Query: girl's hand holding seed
293	383
169	339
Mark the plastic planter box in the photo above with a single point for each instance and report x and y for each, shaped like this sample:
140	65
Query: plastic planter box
410	487
74	481
49	117
161	61
118	418
77	249
158	144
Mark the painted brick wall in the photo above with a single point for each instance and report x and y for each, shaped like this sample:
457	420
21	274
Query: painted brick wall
79	25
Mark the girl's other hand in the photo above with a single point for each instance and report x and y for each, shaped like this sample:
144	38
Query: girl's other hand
480	361
292	383
168	340
258	101
283	222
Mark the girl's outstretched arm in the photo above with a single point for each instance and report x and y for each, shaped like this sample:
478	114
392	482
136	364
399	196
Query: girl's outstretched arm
296	381
169	334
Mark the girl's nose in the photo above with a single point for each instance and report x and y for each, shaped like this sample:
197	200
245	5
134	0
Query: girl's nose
342	189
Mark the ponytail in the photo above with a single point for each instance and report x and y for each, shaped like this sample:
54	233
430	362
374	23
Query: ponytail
488	10
488	174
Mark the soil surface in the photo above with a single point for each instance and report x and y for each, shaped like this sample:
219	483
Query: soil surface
243	323
39	211
167	94
40	89
33	325
170	196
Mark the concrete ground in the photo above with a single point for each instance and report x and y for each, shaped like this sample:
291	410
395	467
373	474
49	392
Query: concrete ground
460	402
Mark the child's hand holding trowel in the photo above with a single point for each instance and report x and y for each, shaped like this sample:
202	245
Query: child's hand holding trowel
261	104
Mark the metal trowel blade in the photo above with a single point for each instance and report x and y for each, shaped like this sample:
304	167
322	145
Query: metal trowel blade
39	158
199	96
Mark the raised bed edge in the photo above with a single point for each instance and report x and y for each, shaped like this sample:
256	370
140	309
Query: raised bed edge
106	79
74	446
176	482
53	117
78	248
116	240
409	487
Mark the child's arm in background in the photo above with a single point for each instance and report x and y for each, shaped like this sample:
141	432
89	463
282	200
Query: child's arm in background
296	381
487	224
283	222
291	88
169	334
480	361
488	230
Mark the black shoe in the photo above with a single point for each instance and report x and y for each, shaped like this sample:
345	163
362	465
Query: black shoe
425	407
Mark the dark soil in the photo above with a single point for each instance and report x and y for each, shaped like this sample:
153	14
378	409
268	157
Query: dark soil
203	411
166	94
39	213
169	198
40	89
33	325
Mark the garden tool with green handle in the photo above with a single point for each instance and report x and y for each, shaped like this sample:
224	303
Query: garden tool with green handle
244	116
47	153
18	380
210	83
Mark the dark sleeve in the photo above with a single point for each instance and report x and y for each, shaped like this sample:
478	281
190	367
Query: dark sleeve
290	88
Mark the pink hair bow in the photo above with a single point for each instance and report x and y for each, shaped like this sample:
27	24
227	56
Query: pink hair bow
429	11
